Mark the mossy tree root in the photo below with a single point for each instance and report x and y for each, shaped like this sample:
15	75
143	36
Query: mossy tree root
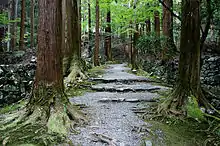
44	122
74	68
177	101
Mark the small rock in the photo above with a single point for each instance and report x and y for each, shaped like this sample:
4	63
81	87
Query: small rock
148	143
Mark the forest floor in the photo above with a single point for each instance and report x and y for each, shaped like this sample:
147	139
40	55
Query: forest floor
111	109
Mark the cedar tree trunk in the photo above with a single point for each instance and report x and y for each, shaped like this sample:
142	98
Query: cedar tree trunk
90	31
157	23
148	26
134	50
108	50
22	27
188	83
97	36
32	23
73	64
14	26
48	102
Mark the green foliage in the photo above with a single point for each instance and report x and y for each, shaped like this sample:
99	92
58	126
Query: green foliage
150	44
13	107
178	134
193	110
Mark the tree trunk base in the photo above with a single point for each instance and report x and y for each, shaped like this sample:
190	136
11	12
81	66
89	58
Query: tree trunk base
176	103
76	70
42	124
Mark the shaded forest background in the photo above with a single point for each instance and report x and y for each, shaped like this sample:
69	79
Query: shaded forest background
157	38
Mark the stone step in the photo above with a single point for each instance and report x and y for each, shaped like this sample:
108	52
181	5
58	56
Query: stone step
138	87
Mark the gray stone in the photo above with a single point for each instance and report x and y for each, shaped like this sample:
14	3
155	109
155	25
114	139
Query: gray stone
148	143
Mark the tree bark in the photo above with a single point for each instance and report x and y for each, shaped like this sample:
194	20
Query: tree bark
108	50
73	64
188	83
9	24
131	44
2	34
134	50
14	26
22	25
48	102
32	23
157	23
80	26
89	31
97	36
64	21
148	26
167	29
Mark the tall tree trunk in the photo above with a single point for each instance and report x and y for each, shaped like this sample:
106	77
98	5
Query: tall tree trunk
32	23
14	25
22	25
148	26
64	20
9	24
73	64
2	33
188	83
80	26
157	23
48	103
108	50
97	36
167	29
89	31
134	50
131	43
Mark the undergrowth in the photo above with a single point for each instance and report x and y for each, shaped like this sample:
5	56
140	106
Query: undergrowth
194	128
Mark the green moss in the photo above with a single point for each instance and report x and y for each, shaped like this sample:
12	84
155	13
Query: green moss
30	134
193	110
179	134
143	73
12	107
77	92
96	71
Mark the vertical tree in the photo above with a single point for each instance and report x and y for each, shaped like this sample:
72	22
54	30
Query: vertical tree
73	64
2	33
134	50
89	31
188	83
80	26
9	24
97	37
108	50
22	25
148	26
167	28
48	103
157	23
131	40
32	23
14	24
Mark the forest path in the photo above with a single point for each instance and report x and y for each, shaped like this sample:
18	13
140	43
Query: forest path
110	108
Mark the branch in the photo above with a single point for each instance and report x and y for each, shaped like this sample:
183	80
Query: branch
171	11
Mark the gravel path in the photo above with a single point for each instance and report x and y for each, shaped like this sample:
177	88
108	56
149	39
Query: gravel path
114	119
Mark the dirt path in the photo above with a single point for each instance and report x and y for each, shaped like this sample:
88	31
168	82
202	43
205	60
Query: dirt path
110	108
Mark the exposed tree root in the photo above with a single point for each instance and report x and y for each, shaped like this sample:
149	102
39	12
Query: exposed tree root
42	124
174	104
74	69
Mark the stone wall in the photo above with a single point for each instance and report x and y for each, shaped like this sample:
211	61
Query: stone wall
210	71
15	82
16	79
